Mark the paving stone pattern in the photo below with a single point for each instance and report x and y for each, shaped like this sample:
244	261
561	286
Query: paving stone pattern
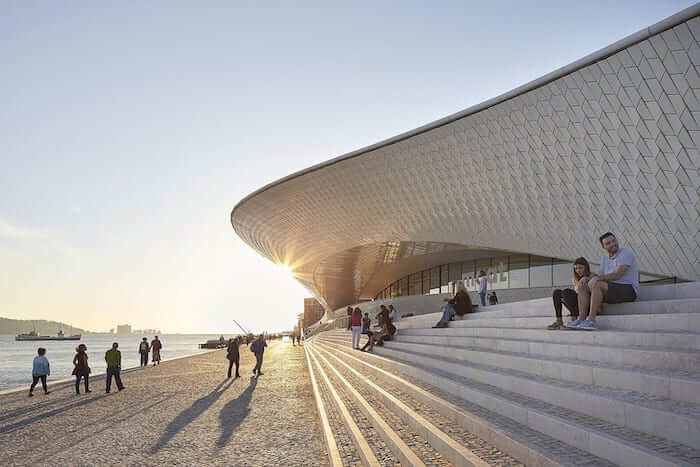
472	442
380	449
414	441
346	448
183	412
564	453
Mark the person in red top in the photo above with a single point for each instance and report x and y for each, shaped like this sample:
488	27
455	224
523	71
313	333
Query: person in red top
356	320
155	348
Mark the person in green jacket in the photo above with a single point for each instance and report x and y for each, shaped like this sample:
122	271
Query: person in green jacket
113	357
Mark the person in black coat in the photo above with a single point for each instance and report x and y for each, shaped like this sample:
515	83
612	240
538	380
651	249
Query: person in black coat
458	305
233	356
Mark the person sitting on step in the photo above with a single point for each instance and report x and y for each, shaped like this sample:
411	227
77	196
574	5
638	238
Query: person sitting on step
458	305
617	282
388	328
369	343
569	297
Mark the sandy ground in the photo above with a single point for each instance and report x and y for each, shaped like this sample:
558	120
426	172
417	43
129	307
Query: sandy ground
183	412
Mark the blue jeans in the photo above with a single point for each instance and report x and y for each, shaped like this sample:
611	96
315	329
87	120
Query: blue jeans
448	311
482	298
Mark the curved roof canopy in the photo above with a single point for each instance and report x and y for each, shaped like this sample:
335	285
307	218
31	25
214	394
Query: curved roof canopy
609	142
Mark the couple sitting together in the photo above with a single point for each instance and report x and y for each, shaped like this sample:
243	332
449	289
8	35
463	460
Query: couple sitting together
617	282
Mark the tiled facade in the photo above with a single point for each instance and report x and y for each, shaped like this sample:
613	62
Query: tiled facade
613	144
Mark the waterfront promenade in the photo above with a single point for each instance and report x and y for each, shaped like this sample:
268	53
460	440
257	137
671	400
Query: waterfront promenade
182	412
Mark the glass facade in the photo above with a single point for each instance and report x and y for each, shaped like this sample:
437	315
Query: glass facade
502	272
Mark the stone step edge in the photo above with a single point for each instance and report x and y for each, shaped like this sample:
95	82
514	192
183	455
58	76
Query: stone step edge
439	440
599	400
641	348
604	445
675	388
331	445
541	320
590	340
537	357
402	452
566	361
519	449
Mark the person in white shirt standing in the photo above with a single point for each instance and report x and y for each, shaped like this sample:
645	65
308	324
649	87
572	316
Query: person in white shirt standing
617	282
482	287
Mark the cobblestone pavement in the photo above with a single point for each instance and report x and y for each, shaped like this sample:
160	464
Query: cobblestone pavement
183	412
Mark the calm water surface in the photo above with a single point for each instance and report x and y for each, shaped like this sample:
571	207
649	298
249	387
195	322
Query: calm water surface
16	357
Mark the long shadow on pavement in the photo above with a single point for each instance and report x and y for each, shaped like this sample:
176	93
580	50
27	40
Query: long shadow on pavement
42	416
234	412
190	414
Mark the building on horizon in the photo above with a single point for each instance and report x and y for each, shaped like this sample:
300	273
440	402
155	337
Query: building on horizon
123	329
518	186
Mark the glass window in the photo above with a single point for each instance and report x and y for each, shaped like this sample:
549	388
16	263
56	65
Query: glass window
540	271
500	272
403	287
435	278
426	281
393	289
562	273
468	275
414	284
455	272
518	271
444	278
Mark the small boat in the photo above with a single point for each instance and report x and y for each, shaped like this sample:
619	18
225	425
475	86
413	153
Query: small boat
214	344
33	336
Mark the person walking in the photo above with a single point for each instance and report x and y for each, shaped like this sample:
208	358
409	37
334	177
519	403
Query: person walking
113	357
356	328
81	368
156	345
233	356
40	370
482	287
258	348
349	313
143	350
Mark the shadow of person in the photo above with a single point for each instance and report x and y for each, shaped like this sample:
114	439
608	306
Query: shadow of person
234	412
190	414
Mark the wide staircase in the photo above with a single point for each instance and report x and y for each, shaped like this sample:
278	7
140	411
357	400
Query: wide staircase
497	388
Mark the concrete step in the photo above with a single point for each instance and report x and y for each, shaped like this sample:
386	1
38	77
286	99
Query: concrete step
650	339
445	445
544	307
391	429
366	452
661	384
615	443
669	291
481	428
633	409
669	322
639	356
330	425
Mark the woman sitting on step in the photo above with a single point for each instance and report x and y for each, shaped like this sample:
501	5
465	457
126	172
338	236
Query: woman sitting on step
458	305
569	297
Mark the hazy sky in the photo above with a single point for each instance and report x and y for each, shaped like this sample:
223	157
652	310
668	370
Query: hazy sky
128	133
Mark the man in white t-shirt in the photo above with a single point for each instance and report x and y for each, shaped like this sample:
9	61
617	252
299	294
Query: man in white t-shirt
617	282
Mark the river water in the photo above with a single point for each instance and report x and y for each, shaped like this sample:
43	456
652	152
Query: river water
16	357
